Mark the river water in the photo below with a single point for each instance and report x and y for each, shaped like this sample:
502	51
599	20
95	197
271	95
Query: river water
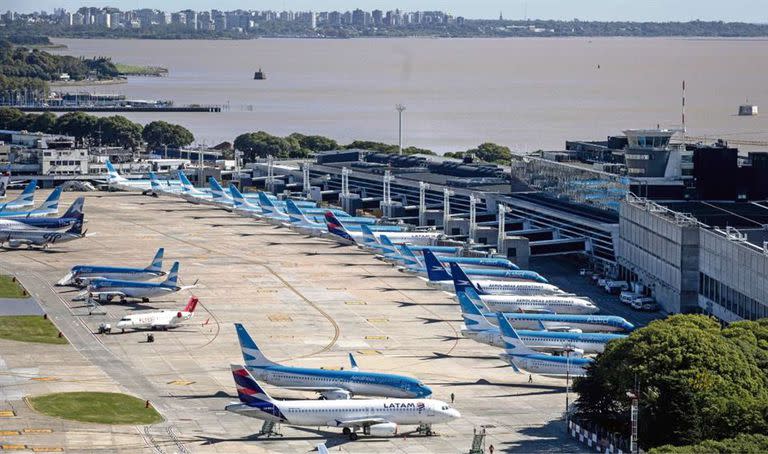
524	93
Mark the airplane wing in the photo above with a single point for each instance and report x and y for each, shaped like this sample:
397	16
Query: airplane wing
360	422
108	294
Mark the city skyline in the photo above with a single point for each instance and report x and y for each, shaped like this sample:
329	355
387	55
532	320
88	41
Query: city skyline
754	11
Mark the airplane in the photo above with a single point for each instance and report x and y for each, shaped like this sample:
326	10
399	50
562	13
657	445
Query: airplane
496	287
48	208
321	448
69	218
166	188
190	193
218	195
299	217
521	357
489	262
571	322
244	206
300	222
104	290
117	181
376	417
435	272
478	328
330	384
541	304
347	236
42	238
25	199
162	320
372	243
81	275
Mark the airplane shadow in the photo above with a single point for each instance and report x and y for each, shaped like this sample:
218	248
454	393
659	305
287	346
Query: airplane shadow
332	439
527	386
430	321
216	395
410	304
437	355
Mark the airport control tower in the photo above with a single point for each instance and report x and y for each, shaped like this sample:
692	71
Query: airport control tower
649	153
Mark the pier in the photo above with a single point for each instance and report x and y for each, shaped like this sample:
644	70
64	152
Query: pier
209	109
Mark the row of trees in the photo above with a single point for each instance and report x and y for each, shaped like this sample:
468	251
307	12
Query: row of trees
696	381
38	64
114	130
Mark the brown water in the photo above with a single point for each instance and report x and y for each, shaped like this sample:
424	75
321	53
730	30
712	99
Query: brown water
524	93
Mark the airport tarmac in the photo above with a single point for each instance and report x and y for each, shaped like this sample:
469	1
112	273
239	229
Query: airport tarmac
307	302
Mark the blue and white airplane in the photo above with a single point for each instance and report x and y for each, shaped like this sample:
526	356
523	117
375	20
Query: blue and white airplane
347	236
436	272
477	327
486	262
522	357
48	208
218	195
69	218
244	206
570	322
40	237
495	287
81	275
117	181
376	417
166	187
25	199
301	223
104	290
190	193
549	304
331	384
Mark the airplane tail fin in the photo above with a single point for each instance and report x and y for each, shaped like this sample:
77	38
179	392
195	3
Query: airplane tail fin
336	227
251	354
352	362
512	342
28	194
369	238
173	275
388	247
294	213
435	270
216	190
248	391
157	262
153	181
410	258
460	279
191	305
185	183
52	202
77	227
266	205
473	318
112	175
75	209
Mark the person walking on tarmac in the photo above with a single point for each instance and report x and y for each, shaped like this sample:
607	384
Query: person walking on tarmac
453	397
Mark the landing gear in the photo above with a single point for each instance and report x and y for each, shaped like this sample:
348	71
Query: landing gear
425	429
353	436
145	300
346	431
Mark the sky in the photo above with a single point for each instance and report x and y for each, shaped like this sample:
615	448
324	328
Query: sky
604	10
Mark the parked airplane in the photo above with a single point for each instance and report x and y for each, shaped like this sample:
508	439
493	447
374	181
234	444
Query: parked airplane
81	275
376	417
190	193
117	181
521	357
570	322
42	237
347	236
478	328
300	222
164	187
331	384
104	290
435	272
64	222
489	262
25	199
48	208
158	319
496	287
542	303
218	195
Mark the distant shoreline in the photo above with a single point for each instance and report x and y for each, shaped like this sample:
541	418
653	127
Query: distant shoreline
86	83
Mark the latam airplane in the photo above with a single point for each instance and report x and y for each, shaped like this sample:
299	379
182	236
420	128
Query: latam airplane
521	357
347	236
107	289
331	384
69	218
81	275
25	199
49	208
376	417
162	320
478	328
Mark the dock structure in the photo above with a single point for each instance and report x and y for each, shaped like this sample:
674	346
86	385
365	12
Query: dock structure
206	109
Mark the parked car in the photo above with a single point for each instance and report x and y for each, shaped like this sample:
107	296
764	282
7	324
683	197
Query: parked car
645	304
615	287
627	297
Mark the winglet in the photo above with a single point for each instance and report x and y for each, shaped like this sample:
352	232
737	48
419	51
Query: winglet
353	362
435	270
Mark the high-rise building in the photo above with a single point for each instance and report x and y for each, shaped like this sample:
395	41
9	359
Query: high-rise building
359	18
115	19
378	17
191	19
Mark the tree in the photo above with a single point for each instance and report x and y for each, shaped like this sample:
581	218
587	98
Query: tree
261	144
696	382
740	444
315	143
119	131
159	133
386	148
77	124
9	117
491	152
45	122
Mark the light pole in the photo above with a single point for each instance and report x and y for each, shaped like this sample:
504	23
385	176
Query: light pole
568	351
634	416
400	108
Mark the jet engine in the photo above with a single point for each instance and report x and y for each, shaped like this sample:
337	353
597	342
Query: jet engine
337	394
385	429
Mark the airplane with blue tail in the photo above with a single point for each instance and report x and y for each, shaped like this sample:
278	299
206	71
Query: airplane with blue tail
522	357
70	217
41	237
192	194
104	290
24	200
372	243
489	262
48	208
434	271
81	275
478	328
117	181
495	287
166	187
330	384
362	237
376	417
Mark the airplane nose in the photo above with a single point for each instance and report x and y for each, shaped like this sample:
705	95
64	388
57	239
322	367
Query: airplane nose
453	413
425	391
